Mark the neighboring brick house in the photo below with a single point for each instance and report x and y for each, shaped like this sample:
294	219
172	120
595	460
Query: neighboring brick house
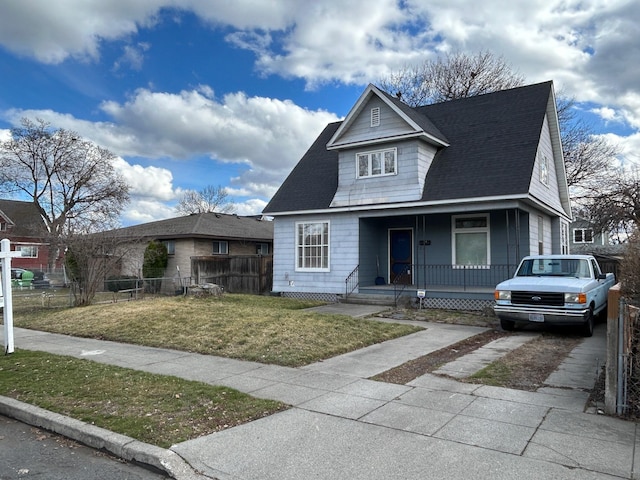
197	235
22	224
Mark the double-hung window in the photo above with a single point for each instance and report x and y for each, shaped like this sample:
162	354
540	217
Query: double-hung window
220	247
312	246
470	239
582	235
29	251
171	246
377	163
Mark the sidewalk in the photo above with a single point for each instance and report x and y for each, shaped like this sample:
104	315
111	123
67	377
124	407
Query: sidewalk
345	426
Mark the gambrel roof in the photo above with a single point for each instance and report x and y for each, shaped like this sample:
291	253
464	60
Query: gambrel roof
487	148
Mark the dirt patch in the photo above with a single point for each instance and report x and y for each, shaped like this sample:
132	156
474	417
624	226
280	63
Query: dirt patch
412	369
527	367
524	368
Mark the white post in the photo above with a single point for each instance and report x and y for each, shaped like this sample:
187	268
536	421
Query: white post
5	258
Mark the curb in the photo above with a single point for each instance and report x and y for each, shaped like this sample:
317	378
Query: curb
119	445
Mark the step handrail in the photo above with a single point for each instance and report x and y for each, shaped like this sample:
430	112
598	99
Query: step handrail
351	282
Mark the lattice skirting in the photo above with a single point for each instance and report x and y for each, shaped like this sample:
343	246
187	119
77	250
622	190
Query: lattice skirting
470	304
322	297
457	303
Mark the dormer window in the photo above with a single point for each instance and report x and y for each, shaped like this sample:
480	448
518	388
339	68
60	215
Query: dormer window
377	163
375	117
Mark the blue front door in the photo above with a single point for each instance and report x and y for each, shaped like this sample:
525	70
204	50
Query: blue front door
401	256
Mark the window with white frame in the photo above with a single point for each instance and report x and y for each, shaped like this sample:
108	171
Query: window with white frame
220	247
170	245
470	238
377	163
312	246
582	235
375	117
262	248
3	226
29	251
544	170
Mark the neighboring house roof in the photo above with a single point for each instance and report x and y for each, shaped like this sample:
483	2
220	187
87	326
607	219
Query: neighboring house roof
489	149
203	225
23	218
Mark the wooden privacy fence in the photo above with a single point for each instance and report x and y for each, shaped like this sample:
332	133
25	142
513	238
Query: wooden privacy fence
236	273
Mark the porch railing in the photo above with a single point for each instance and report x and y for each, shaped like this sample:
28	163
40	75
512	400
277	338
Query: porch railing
462	277
351	283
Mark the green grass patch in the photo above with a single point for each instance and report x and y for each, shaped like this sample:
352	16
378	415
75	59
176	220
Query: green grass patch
264	329
156	409
496	374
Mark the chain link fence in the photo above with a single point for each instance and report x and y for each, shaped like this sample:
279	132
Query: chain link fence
58	294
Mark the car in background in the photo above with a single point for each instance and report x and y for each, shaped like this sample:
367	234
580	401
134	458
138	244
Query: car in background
40	278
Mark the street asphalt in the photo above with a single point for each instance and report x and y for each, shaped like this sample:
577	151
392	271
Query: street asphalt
343	425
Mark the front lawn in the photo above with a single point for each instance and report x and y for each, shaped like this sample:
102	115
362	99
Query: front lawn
264	329
156	409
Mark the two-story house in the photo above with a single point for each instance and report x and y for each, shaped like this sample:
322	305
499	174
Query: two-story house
444	198
22	224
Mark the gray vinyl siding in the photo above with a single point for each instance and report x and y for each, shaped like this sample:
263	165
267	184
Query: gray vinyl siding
343	247
549	194
413	160
361	130
548	246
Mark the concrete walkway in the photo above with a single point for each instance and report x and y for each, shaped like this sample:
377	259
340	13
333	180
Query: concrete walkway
343	425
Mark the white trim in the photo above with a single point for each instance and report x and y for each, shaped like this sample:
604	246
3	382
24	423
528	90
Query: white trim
369	92
370	174
298	268
486	230
451	204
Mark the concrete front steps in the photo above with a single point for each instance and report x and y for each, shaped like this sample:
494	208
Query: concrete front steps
369	299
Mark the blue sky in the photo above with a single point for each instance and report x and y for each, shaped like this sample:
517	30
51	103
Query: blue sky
193	93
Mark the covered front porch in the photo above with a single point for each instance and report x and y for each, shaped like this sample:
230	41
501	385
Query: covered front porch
447	260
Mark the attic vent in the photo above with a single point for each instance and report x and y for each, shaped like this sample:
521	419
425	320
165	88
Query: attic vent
375	116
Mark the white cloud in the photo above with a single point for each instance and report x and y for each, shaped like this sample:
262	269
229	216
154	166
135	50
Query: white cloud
54	31
589	48
147	182
143	210
267	135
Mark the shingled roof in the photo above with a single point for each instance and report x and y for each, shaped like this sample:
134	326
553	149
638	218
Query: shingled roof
493	140
23	218
203	225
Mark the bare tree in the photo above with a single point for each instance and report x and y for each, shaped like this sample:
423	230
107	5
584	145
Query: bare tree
71	181
210	199
587	157
91	259
456	75
615	206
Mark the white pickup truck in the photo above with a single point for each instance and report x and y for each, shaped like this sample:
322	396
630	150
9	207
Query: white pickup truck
555	290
